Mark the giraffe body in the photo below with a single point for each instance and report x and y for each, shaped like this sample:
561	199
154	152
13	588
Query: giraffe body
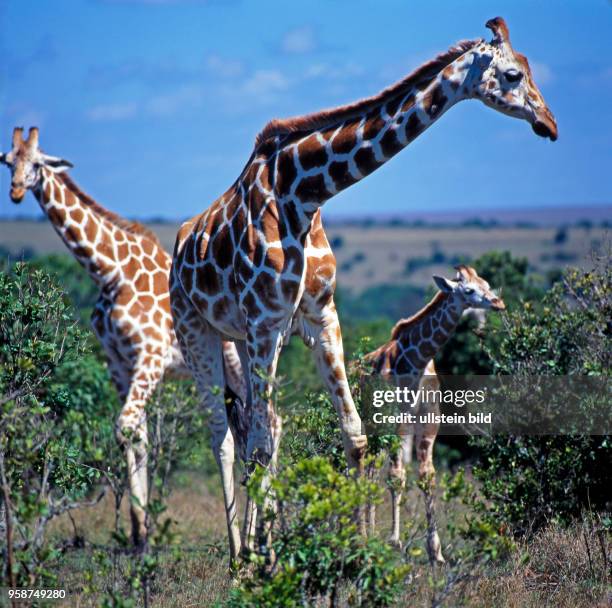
256	264
407	361
131	318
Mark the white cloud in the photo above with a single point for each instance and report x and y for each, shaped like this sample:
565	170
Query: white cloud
299	40
264	82
112	111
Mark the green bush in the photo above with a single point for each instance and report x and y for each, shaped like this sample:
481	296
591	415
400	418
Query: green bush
73	279
319	554
531	480
49	450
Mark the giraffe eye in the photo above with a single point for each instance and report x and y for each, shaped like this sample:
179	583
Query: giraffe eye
468	291
513	75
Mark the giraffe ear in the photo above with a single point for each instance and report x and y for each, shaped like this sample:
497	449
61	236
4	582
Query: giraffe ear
443	284
55	164
3	158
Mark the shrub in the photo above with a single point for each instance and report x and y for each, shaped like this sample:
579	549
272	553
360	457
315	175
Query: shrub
67	272
533	479
46	452
319	554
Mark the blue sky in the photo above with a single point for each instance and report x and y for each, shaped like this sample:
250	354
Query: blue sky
157	102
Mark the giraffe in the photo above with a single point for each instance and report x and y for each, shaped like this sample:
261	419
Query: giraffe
256	265
407	361
131	318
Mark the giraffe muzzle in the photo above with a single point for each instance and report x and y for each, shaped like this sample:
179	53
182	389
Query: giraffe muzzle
545	125
498	304
17	194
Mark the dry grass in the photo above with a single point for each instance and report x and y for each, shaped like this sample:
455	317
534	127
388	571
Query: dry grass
561	568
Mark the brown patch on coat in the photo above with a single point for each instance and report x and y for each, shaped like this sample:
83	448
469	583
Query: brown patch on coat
312	189
340	173
366	161
312	154
285	172
346	139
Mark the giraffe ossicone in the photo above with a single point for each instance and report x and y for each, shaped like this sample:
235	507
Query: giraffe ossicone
257	264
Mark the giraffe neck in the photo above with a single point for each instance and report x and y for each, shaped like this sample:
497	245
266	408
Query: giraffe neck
430	329
329	159
80	223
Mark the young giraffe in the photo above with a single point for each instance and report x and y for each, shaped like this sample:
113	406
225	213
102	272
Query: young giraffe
429	381
132	316
407	361
257	261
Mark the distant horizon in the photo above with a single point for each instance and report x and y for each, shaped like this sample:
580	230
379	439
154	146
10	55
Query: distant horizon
540	215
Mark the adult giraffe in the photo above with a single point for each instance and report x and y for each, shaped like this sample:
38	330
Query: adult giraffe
257	261
132	317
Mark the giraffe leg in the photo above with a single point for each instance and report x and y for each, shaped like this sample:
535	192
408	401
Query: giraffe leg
263	349
396	481
425	438
250	516
133	437
202	350
329	355
371	507
247	534
397	478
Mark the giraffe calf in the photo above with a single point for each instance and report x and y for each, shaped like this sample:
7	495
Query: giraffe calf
406	360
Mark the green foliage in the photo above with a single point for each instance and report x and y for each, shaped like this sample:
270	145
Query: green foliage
180	437
476	533
468	351
531	480
568	333
381	301
73	279
310	428
319	553
46	452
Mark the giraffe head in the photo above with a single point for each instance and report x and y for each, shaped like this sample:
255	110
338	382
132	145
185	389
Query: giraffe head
26	161
504	82
470	290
